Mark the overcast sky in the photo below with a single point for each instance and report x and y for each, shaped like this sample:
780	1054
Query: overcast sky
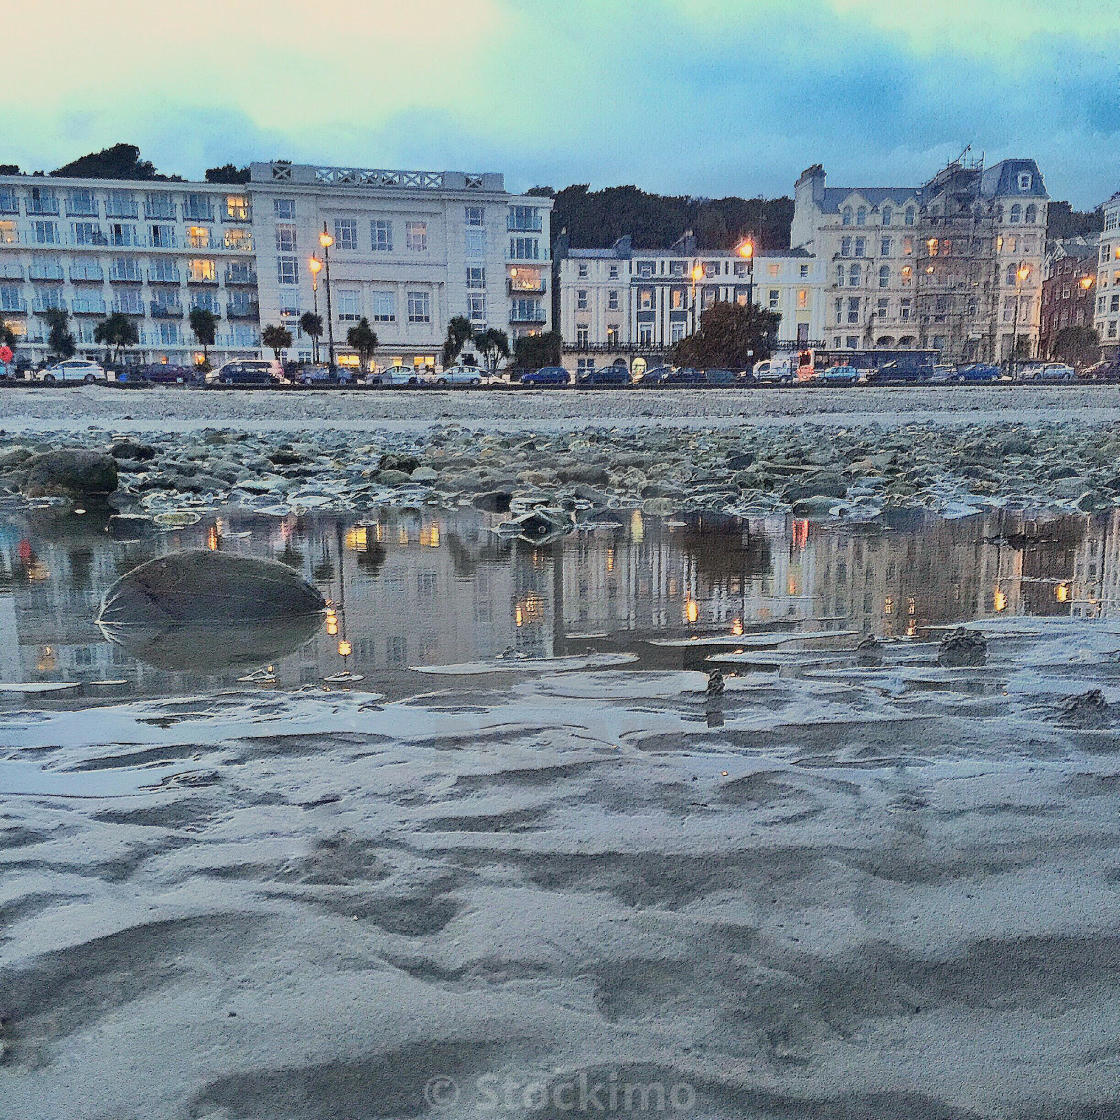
707	97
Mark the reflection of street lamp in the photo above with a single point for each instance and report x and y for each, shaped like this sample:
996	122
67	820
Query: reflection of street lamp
746	251
315	265
327	241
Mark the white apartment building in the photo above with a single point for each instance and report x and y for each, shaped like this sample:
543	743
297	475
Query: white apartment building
411	249
1107	318
151	250
954	265
634	304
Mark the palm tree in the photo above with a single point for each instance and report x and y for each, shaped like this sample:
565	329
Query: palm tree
277	339
459	333
204	323
363	339
59	338
116	331
492	344
312	326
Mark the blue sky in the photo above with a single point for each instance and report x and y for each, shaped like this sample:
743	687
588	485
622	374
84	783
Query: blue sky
707	97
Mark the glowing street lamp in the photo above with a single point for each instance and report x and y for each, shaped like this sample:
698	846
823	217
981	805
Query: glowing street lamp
1021	274
697	276
316	266
746	251
326	241
1086	283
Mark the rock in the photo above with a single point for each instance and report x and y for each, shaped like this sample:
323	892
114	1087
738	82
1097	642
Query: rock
424	475
392	477
740	460
493	501
962	648
285	457
816	505
592	473
1089	710
869	651
130	449
14	457
391	462
70	472
202	586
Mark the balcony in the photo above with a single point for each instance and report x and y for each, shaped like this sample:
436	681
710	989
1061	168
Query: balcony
46	272
239	240
527	315
121	213
163	277
235	278
88	277
128	307
159	212
201	281
17	306
82	211
42	207
88	307
129	276
526	287
526	225
166	310
41	305
192	215
243	311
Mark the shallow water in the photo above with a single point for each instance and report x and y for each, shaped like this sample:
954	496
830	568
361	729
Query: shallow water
425	587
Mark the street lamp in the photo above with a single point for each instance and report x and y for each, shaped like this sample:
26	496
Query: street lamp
315	265
1086	283
746	251
1021	273
697	276
327	241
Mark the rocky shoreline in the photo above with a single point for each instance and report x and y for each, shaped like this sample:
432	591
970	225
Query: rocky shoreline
809	470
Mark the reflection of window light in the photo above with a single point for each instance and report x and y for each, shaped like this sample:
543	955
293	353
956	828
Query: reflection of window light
1061	592
911	607
999	600
691	610
610	559
357	539
737	627
637	527
888	605
402	535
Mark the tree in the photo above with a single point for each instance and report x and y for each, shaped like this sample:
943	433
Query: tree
116	331
459	333
492	344
277	339
1079	346
537	350
364	340
121	161
731	336
204	323
228	173
59	339
312	326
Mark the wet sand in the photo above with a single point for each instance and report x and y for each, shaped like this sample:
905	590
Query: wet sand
873	892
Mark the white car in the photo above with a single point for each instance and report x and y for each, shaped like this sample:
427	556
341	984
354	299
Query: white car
1052	371
398	377
460	375
73	369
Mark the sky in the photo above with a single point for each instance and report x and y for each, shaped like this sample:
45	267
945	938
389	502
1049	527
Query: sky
701	97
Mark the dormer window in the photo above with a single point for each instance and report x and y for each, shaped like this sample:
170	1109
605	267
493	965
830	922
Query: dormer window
1025	180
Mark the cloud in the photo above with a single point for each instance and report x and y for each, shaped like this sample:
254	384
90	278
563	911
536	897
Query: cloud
690	96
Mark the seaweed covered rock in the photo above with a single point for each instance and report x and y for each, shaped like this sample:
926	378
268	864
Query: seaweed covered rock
962	648
69	472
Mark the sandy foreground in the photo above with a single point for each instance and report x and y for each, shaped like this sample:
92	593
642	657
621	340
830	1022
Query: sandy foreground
874	892
168	409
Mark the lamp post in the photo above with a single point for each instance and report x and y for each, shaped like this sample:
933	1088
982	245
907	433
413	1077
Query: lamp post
1021	273
697	275
315	265
746	251
327	241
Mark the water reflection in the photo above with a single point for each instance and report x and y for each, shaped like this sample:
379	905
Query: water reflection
423	587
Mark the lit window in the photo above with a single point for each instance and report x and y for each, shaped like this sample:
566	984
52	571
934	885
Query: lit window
238	208
416	236
202	271
198	237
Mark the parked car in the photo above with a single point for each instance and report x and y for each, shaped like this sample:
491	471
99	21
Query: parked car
547	377
654	377
322	375
781	370
615	376
244	371
1050	371
157	373
397	377
977	373
460	375
722	378
836	375
899	373
1100	371
682	378
73	369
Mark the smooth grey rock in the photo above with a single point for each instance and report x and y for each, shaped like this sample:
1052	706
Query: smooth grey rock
70	472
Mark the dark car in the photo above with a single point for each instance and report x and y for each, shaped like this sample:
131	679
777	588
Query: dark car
321	375
682	377
242	372
977	373
900	373
655	377
1100	371
547	376
158	373
722	378
615	376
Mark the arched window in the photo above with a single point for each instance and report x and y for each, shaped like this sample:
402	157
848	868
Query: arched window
888	214
884	276
1031	215
855	276
910	215
846	216
1016	213
861	216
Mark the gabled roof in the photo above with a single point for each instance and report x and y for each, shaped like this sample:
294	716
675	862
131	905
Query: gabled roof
835	197
1003	179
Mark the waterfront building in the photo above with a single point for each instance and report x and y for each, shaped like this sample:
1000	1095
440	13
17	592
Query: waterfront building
1107	315
1068	290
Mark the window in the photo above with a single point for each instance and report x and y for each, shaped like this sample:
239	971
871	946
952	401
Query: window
285	237
861	216
861	246
416	236
525	219
159	206
910	215
581	299
774	269
381	235
198	237
87	233
202	271
1025	180
345	233
163	272
645	299
907	275
241	304
240	272
476	307
120	234
86	268
9	203
885	246
419	307
612	299
612	334
839	310
206	301
527	249
853	309
775	298
197	208
581	271
581	334
1016	213
840	275
126	269
287	270
45	268
904	308
474	216
884	276
1031	214
238	208
80	202
239	239
161	237
474	241
855	276
888	215
42	200
846	216
44	233
676	331
645	334
845	246
612	273
168	334
10	299
284	209
804	273
349	305
384	307
881	306
645	269
476	276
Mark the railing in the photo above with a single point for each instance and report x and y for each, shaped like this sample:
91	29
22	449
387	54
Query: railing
235	311
77	277
166	310
203	280
127	277
190	215
44	208
120	214
163	277
375	177
526	287
128	307
160	213
526	316
39	306
14	307
515	226
36	273
241	278
88	307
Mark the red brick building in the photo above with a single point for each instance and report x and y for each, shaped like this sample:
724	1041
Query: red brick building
1069	290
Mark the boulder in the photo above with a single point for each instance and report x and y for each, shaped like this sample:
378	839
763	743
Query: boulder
131	449
201	586
70	472
405	463
962	648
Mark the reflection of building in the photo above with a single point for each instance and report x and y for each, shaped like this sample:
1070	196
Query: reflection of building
1094	591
